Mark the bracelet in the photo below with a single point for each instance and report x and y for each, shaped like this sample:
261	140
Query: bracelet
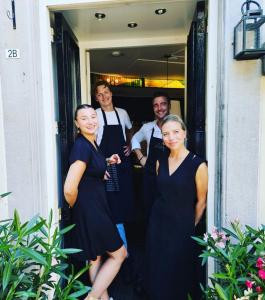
141	158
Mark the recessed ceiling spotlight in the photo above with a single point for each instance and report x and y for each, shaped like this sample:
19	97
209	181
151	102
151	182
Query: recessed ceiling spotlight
100	16
160	11
116	53
132	25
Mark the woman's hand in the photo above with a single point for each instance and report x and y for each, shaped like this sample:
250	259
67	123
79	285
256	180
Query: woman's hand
106	175
114	159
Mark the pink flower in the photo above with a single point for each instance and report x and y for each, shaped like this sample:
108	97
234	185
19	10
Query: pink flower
249	284
258	289
259	263
220	244
261	274
214	234
223	236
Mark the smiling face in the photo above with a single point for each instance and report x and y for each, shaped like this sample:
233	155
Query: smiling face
173	135
103	96
87	121
160	107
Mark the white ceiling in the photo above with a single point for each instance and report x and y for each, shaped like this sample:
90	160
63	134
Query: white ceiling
174	23
141	62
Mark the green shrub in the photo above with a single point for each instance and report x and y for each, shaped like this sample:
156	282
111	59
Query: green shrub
240	260
32	262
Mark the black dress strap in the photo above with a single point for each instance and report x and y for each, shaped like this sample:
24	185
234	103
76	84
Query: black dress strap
105	118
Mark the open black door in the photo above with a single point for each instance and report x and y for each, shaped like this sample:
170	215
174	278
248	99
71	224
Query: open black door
196	77
67	87
196	67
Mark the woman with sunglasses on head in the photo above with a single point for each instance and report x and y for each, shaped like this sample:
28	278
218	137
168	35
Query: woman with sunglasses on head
182	180
94	232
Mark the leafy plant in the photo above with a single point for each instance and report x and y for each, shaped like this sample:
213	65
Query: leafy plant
239	256
33	264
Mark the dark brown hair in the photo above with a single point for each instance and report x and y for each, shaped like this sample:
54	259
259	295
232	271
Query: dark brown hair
161	94
81	106
99	83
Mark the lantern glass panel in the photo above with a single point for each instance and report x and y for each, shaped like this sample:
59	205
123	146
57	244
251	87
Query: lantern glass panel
239	38
252	34
262	36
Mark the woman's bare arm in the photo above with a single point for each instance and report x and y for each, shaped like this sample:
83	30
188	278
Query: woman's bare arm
73	178
201	180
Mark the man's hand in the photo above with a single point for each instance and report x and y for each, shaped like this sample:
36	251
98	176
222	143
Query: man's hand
127	150
143	160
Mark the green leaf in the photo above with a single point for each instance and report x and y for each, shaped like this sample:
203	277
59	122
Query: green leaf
82	271
6	274
66	229
221	292
34	228
250	229
4	195
70	250
81	292
189	297
10	295
25	294
4	247
199	240
50	219
229	232
34	255
220	276
16	221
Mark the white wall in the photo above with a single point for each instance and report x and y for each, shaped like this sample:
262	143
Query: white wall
241	106
3	183
22	107
261	180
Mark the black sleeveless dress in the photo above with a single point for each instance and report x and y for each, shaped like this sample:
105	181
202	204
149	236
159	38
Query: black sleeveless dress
95	232
170	249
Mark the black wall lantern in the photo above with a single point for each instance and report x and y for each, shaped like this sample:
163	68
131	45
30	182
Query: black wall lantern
249	33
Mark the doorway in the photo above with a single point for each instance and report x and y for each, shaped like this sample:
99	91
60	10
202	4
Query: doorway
85	46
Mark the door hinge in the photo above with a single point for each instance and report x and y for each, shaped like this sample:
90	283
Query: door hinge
56	128
52	34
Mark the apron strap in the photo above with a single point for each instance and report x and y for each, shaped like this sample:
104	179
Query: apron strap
118	118
105	118
152	134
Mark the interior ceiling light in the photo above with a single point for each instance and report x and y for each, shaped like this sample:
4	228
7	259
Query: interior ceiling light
100	16
160	11
132	25
116	53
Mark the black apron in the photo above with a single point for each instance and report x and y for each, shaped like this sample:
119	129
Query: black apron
156	148
120	186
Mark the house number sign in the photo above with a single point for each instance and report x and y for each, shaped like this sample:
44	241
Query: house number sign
12	53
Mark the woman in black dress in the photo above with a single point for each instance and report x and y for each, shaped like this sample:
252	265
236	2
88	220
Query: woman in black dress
84	191
182	180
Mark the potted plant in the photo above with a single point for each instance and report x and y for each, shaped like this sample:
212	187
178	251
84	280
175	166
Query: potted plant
33	264
240	262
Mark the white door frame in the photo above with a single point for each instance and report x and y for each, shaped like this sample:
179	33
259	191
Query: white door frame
48	96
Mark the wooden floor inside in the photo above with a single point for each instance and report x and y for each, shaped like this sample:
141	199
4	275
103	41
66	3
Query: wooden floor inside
126	284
